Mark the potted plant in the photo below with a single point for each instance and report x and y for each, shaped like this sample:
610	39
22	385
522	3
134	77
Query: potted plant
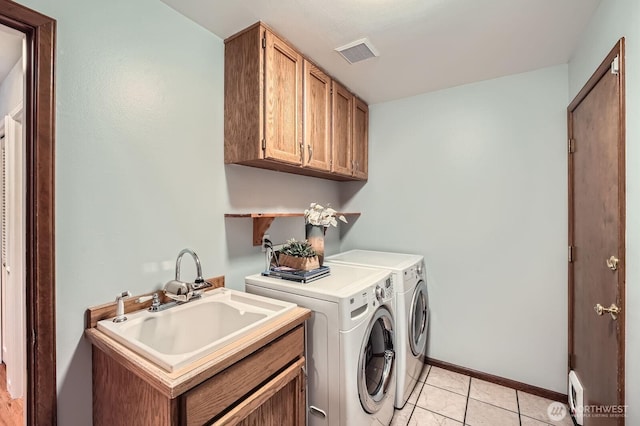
298	255
317	219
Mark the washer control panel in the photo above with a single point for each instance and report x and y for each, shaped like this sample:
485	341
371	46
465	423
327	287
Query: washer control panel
364	302
384	290
416	272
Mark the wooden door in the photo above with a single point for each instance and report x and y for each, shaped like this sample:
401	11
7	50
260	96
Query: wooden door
282	101
317	118
597	238
360	151
341	129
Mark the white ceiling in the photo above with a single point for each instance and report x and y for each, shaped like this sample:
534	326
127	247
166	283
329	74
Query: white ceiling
10	49
424	45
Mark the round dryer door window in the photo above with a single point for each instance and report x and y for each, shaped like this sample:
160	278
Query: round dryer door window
375	366
419	320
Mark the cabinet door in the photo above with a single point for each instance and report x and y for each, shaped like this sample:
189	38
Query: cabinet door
341	133
282	101
360	139
317	118
280	402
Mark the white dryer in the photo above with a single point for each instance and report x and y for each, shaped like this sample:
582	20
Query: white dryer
411	303
350	343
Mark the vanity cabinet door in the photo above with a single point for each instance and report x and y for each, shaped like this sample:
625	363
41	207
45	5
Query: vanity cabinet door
282	401
246	384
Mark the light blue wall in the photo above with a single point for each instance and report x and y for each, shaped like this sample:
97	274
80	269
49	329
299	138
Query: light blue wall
474	178
139	169
468	176
612	20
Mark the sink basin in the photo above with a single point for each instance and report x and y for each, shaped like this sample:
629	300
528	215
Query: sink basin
182	334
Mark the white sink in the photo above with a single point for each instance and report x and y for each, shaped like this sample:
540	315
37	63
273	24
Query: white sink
182	334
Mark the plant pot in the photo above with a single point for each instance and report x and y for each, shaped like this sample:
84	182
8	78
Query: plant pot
302	263
315	236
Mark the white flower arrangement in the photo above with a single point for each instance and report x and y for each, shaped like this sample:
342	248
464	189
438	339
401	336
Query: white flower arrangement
325	216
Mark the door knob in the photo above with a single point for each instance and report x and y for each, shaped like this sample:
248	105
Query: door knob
612	263
613	310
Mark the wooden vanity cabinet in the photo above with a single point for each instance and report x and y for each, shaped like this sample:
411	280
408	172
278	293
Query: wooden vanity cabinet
265	386
263	99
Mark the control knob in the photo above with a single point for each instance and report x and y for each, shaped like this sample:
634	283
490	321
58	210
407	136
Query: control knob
379	293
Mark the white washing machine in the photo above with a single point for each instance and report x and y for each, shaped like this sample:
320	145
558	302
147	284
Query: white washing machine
411	308
350	343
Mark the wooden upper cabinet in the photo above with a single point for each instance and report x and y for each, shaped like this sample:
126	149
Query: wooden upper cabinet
282	112
243	97
262	99
317	118
360	151
282	100
342	131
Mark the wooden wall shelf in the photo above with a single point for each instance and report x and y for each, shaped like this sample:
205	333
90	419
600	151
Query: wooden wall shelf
262	221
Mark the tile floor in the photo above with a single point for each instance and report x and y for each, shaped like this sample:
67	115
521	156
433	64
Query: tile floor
445	398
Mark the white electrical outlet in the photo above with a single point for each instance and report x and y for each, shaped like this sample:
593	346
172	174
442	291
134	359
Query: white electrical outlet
264	237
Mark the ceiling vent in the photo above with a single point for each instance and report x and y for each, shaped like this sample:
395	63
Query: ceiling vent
357	51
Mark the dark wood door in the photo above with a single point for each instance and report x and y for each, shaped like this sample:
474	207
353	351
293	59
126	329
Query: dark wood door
596	235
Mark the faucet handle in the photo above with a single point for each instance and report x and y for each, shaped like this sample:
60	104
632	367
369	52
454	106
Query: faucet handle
200	284
154	305
122	295
146	298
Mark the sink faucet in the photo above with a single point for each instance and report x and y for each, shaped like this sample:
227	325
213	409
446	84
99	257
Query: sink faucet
183	291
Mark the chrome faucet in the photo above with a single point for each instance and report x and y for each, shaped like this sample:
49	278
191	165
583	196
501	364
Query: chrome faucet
184	291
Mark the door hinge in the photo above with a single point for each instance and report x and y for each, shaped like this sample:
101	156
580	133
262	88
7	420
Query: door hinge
615	65
572	146
571	249
264	144
33	337
264	42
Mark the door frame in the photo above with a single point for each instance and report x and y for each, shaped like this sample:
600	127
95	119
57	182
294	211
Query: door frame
605	67
39	119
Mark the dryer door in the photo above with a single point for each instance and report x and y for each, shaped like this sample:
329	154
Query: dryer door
375	364
419	320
